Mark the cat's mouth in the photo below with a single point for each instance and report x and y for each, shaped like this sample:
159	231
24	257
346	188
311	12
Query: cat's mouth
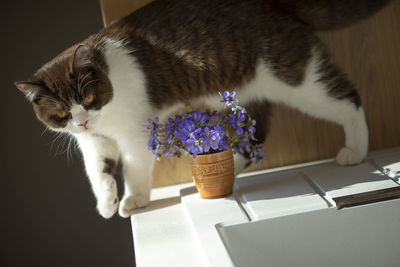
84	125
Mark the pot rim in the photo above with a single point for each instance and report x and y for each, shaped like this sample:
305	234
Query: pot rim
205	155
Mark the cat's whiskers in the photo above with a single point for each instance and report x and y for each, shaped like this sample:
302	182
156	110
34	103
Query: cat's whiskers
96	80
62	145
49	105
67	140
66	144
80	89
45	130
51	102
50	98
69	95
79	77
75	146
71	146
57	137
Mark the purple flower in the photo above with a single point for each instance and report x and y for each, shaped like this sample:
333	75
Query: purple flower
200	132
172	124
199	117
227	98
205	139
235	108
244	145
251	128
257	155
154	126
194	146
217	135
154	145
186	128
237	122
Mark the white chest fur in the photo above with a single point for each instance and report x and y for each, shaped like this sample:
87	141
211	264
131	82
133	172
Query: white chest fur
125	116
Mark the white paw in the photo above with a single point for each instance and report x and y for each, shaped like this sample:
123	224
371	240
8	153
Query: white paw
107	202
346	156
129	203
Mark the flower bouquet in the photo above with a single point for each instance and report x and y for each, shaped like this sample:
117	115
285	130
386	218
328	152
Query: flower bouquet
207	135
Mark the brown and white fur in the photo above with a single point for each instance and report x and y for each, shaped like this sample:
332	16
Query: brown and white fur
103	90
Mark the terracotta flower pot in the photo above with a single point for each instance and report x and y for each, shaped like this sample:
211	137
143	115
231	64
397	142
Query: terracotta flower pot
213	174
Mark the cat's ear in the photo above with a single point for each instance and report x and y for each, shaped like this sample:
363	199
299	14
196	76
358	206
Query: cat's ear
83	57
31	90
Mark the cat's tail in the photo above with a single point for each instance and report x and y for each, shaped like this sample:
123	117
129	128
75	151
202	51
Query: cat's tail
330	14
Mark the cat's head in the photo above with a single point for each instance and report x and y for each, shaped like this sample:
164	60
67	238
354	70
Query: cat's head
69	92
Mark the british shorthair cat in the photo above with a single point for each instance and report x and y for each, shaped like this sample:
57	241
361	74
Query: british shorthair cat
103	90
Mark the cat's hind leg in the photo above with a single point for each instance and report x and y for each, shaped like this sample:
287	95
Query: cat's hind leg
356	134
343	105
326	93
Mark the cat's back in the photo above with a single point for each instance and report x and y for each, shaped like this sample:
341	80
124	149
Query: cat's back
190	47
199	21
183	13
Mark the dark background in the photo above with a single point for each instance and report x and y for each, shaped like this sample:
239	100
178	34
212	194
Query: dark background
48	215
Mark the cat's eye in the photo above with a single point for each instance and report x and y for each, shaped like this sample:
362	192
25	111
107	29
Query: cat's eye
89	98
62	114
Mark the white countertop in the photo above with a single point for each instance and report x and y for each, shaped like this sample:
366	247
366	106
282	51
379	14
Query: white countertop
179	228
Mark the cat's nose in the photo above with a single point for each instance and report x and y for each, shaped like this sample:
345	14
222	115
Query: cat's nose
79	115
84	125
80	118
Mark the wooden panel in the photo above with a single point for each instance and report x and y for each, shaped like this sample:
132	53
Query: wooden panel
114	9
367	52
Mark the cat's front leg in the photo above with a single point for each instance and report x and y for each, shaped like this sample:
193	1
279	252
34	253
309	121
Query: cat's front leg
138	164
101	156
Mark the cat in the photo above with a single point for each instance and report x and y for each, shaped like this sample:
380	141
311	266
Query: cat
148	64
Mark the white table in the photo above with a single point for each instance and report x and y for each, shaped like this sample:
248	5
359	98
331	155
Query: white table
282	217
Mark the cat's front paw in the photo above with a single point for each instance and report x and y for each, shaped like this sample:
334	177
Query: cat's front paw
347	156
107	202
129	203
